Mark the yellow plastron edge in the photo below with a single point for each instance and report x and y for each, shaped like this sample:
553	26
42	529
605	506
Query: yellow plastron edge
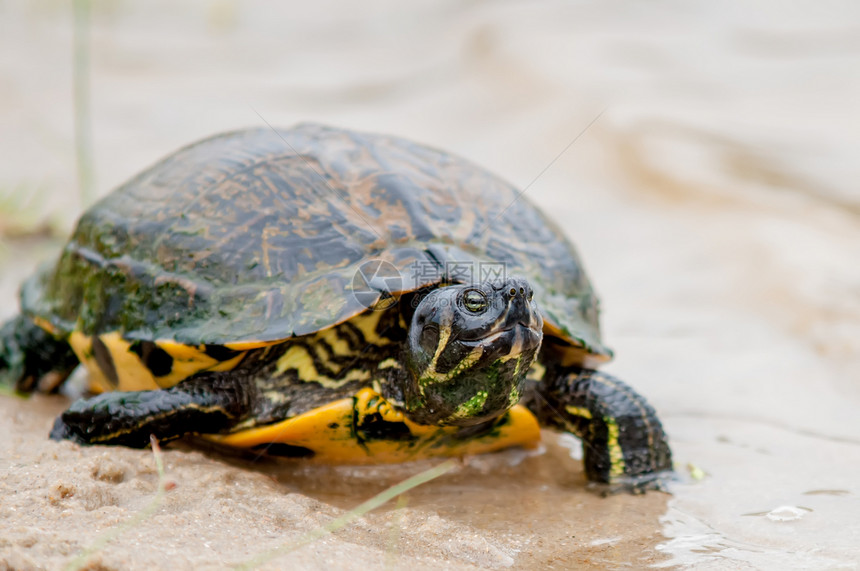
132	374
339	433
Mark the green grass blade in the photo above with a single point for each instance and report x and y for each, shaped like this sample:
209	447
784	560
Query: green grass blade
352	515
80	561
394	534
83	120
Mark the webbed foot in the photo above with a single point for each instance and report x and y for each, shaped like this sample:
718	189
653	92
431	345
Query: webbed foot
624	446
206	403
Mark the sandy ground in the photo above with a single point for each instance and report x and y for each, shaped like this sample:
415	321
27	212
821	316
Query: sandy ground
715	203
489	512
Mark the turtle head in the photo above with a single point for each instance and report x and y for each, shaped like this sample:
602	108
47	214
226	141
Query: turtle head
468	350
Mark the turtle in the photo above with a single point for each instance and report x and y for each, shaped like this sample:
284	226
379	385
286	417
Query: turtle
332	295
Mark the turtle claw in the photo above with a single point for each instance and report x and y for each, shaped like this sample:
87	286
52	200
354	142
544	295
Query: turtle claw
63	431
636	485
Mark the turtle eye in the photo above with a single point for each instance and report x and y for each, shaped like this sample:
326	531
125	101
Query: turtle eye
475	301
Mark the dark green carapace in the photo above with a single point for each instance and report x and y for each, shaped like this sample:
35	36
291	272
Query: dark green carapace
329	295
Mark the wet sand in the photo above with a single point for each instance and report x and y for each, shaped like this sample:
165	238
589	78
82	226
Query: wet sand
714	201
528	509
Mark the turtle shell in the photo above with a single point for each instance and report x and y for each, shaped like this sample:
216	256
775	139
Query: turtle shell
256	236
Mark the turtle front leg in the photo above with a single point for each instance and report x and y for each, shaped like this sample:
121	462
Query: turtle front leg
205	403
624	446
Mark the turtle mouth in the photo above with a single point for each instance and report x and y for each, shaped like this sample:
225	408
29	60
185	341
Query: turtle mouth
528	333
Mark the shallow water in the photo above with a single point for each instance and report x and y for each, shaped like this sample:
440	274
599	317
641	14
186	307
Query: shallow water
714	201
534	503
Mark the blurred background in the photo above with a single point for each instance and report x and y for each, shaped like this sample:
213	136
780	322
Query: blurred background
715	198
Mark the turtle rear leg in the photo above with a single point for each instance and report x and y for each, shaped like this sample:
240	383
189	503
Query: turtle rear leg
31	358
208	402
